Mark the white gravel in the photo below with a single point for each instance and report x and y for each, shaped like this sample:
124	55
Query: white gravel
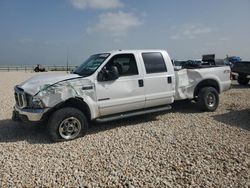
179	148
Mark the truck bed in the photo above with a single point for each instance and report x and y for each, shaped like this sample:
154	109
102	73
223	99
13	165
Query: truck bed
188	79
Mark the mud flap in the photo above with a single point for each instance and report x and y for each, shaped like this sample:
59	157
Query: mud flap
15	116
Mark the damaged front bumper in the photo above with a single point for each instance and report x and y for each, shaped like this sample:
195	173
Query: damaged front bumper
23	114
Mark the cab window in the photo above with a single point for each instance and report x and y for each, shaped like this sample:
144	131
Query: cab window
125	63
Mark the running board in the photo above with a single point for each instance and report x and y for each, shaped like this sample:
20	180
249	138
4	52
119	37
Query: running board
134	113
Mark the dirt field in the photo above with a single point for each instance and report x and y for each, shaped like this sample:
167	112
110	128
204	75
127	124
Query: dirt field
180	148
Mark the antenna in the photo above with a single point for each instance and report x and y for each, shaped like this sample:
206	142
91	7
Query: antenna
67	64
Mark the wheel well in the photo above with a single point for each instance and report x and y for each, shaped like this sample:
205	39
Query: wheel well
206	83
77	103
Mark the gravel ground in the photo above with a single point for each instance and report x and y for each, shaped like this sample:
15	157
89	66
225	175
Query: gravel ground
180	148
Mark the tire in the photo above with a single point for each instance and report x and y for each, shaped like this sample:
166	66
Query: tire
242	79
36	69
208	99
67	124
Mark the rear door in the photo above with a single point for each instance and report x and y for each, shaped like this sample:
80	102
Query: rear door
159	78
124	94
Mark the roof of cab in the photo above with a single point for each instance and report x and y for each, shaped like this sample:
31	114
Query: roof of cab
136	51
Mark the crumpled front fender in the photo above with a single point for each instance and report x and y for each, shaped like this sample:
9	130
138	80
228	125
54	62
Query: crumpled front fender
64	90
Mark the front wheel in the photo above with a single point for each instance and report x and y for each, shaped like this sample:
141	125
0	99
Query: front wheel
208	99
67	124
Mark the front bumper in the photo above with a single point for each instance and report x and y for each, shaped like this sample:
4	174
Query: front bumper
23	114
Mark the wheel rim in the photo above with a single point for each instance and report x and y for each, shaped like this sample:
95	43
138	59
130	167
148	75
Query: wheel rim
70	128
211	100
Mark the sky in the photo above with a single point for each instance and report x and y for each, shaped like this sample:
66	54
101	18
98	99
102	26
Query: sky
45	31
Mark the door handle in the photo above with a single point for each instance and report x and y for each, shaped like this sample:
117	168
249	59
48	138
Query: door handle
140	83
87	87
169	79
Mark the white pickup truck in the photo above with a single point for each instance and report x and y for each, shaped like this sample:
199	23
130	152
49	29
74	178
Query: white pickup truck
113	85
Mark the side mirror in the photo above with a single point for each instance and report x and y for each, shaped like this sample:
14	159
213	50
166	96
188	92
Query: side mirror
100	76
113	73
108	75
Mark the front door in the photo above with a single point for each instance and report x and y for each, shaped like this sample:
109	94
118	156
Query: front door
125	93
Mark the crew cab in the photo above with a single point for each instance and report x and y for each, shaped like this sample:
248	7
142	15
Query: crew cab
114	85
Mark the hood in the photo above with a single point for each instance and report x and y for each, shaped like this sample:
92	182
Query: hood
37	83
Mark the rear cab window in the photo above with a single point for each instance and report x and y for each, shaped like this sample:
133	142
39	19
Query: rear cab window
154	62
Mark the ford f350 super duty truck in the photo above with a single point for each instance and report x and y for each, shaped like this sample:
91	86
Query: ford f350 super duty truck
113	85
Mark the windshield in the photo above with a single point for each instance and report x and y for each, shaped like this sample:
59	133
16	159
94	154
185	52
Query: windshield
91	64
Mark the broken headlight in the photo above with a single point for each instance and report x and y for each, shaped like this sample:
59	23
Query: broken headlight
37	103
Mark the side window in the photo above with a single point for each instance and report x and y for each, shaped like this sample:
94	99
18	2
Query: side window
154	62
125	63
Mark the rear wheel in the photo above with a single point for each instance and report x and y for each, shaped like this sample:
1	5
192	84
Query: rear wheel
208	99
242	79
67	124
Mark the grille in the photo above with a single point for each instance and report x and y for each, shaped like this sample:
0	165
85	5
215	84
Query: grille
20	98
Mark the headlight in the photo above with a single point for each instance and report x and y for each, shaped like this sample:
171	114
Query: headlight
37	103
